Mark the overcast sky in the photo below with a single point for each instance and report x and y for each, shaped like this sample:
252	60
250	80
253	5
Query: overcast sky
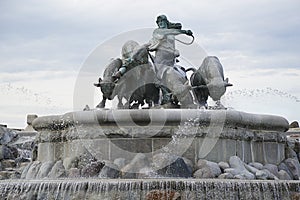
44	45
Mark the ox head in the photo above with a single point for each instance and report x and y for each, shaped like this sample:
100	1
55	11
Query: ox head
107	88
217	88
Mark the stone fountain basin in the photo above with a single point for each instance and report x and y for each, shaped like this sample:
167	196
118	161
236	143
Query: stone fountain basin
108	133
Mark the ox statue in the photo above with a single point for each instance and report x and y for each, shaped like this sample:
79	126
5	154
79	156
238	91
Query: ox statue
136	79
209	80
107	84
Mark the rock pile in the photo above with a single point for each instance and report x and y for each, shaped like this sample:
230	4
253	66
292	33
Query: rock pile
165	166
237	169
15	153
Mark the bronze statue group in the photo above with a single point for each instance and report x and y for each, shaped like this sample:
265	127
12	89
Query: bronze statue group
149	74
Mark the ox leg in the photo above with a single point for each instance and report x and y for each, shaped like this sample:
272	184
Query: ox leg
102	103
203	98
126	105
120	104
166	95
155	97
179	87
135	106
152	95
219	105
150	104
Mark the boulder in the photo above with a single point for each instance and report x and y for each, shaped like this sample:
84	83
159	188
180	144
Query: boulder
21	160
265	174
58	170
236	162
223	165
212	166
257	165
226	176
23	165
294	124
272	168
177	169
161	160
238	169
167	165
290	153
261	175
294	167
71	162
92	169
120	162
283	175
189	163
7	135
283	167
132	169
203	173
110	170
147	172
33	170
8	152
24	142
45	169
14	175
8	164
251	169
4	175
74	173
25	171
84	159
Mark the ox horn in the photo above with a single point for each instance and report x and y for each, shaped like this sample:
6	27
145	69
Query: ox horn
99	82
227	84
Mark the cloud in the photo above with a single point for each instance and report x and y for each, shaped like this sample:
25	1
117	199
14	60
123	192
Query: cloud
61	34
44	44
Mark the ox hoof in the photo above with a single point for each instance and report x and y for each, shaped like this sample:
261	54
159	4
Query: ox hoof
100	105
203	106
135	106
219	106
86	108
190	106
170	105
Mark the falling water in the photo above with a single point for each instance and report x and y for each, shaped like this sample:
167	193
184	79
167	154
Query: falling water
148	189
264	100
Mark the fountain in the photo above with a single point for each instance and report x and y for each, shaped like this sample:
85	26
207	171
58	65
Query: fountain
195	152
104	135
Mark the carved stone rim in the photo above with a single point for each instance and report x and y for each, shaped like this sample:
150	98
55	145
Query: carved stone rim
234	119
